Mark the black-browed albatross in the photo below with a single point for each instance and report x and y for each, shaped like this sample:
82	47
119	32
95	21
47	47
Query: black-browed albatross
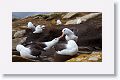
39	29
33	49
65	51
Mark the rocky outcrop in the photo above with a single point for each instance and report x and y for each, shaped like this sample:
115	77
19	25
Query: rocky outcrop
17	41
93	59
13	32
19	34
69	15
97	57
82	19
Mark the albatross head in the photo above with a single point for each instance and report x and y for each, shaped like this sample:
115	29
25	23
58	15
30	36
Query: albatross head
43	26
19	47
66	31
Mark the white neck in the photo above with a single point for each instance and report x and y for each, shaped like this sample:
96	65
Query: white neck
50	43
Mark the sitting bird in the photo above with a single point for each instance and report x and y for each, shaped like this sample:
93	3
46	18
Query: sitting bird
65	51
39	29
30	26
58	22
34	49
71	48
69	35
29	51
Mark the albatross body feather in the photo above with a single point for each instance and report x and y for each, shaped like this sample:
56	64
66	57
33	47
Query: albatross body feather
71	48
38	29
24	51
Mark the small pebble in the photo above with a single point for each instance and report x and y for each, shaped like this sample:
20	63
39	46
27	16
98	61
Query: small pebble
93	59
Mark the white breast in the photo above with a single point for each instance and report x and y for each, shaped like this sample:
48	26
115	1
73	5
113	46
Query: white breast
38	31
71	52
26	53
71	48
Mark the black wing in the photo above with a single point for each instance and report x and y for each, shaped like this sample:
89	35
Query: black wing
35	52
60	46
36	44
36	49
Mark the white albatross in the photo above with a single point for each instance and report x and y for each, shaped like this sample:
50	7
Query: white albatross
33	49
71	48
39	29
30	26
28	52
69	35
58	22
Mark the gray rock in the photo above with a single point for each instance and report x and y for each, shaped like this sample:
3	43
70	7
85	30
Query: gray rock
69	15
94	52
18	41
79	20
93	59
23	40
19	34
13	32
15	42
71	22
